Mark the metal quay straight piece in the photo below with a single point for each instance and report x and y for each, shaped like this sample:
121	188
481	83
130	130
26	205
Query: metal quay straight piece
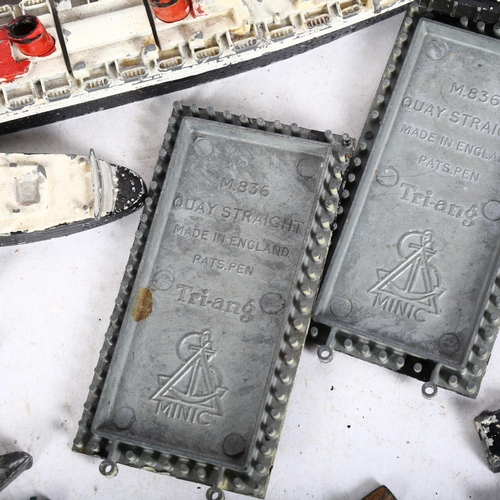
412	283
204	343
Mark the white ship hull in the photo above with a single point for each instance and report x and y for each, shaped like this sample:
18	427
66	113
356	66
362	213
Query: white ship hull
110	52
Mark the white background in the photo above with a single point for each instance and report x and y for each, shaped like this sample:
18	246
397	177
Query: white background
350	427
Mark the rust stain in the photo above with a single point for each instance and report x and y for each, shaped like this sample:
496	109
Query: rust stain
128	63
144	305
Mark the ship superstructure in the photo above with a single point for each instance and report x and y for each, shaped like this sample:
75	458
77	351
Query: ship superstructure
108	52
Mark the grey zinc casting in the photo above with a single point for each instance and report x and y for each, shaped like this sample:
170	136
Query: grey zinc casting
205	353
411	285
210	298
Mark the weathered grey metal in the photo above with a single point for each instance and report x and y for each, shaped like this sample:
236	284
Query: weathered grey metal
13	464
411	285
488	428
215	303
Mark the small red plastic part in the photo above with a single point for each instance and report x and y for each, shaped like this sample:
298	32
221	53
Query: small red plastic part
9	67
29	35
197	9
171	11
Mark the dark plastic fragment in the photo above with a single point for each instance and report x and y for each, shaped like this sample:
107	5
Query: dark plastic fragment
12	465
488	427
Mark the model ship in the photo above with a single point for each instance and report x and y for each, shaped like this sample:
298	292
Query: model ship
48	195
65	58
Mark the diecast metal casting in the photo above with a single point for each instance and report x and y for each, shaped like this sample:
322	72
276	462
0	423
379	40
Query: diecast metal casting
412	284
202	350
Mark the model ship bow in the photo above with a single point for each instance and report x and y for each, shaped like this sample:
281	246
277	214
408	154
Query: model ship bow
48	195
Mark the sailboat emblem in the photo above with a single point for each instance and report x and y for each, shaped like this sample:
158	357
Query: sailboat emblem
413	287
193	393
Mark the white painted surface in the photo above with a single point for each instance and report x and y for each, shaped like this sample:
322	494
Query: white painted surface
71	188
64	191
107	40
350	425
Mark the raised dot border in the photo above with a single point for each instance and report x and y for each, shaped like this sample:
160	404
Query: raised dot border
254	480
466	381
